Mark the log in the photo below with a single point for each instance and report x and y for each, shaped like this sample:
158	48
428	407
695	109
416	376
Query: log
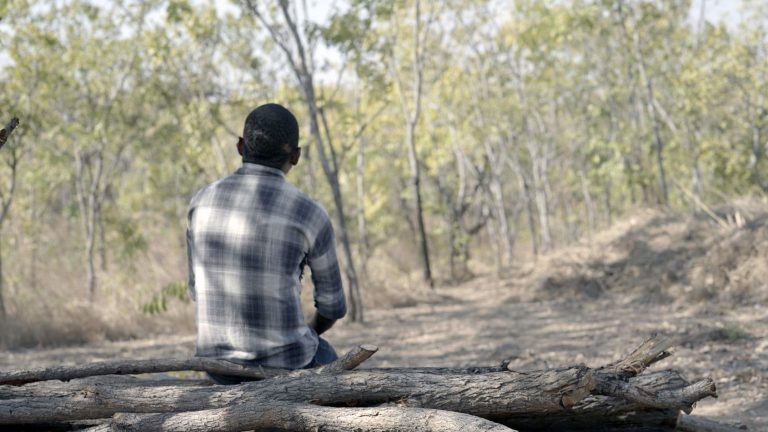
62	389
132	367
495	394
598	412
199	364
7	130
689	423
303	417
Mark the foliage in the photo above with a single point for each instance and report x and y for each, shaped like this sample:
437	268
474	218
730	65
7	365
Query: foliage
159	301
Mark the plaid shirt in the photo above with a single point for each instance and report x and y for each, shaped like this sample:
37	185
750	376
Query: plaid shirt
249	237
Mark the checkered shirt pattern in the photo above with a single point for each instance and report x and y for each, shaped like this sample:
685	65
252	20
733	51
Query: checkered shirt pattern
249	237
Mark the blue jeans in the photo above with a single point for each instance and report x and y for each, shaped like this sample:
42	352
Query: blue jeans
325	354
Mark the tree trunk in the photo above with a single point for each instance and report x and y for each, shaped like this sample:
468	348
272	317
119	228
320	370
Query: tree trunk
362	230
588	204
525	193
419	207
102	240
542	206
6	201
607	186
411	116
639	61
304	417
3	314
500	212
90	240
689	423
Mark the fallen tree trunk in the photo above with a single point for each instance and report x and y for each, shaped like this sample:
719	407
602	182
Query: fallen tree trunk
597	412
689	423
200	364
304	417
335	397
494	394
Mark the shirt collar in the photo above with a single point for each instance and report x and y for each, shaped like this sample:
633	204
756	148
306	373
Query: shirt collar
256	169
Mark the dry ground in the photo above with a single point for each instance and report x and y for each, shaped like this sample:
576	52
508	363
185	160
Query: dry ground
590	303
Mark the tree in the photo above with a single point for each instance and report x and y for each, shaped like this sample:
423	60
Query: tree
13	154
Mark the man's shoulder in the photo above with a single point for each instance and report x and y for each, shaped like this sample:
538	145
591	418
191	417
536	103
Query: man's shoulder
206	191
306	205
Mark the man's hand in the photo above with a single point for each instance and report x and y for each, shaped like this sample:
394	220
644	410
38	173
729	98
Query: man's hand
321	324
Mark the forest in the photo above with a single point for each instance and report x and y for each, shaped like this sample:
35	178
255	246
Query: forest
446	138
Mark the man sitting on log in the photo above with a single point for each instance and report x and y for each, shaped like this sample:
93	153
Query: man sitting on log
249	237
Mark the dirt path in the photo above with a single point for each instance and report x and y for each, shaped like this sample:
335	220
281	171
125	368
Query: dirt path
480	323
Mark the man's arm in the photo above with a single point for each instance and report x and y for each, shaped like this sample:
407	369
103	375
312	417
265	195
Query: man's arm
326	276
321	324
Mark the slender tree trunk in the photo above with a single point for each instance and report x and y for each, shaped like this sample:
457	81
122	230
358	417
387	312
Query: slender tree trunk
102	240
538	167
607	186
542	206
356	308
696	179
416	186
659	144
412	116
90	268
493	237
500	212
639	61
571	229
362	230
6	201
88	188
588	204
2	299
33	256
525	192
309	165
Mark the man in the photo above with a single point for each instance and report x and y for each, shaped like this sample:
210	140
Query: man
249	237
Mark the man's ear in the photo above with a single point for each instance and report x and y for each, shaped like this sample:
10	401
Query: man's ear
240	144
295	156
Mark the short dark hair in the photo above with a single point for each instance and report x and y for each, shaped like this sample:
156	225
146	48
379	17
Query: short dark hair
270	135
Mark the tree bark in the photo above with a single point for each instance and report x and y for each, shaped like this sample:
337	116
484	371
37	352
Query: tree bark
304	417
689	423
525	192
489	394
2	300
6	201
362	228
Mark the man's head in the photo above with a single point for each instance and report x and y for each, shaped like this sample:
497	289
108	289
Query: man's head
271	138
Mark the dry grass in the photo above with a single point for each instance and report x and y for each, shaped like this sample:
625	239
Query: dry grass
651	256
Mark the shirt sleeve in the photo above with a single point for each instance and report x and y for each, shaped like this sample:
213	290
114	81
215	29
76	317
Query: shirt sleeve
326	276
190	268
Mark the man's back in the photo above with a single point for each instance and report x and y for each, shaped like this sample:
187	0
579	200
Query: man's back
250	235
